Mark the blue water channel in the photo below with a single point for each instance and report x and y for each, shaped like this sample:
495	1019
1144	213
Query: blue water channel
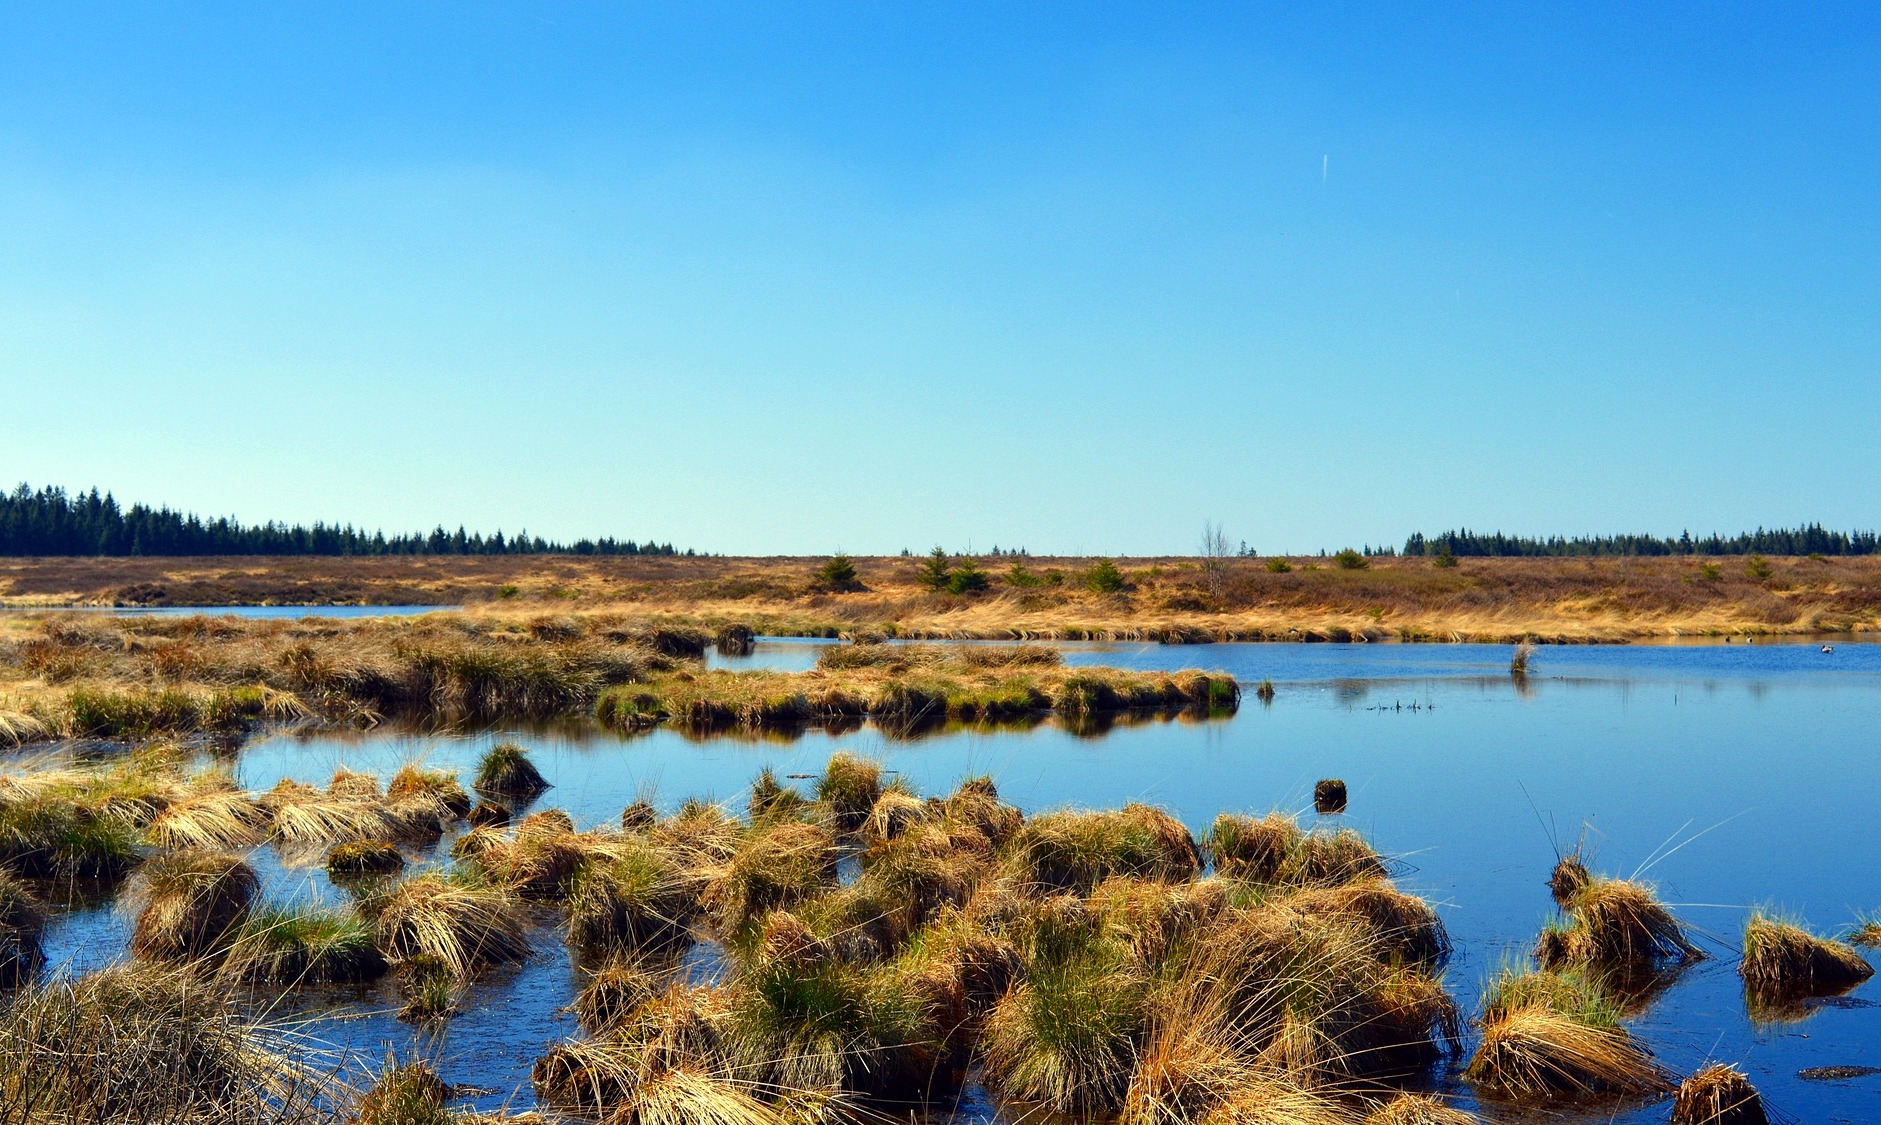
1730	775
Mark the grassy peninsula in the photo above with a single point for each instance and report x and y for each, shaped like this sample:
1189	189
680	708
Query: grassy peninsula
95	676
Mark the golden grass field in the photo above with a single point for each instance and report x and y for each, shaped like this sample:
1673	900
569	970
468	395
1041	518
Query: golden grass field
1604	599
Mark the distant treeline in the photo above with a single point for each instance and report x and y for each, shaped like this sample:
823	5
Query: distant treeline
51	522
1811	540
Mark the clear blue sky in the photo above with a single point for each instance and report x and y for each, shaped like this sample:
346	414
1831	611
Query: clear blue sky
777	278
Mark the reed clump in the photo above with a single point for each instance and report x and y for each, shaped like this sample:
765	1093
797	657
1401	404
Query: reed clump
1553	1034
1612	923
462	922
1718	1094
1418	1109
506	771
188	905
405	1094
148	1042
1781	956
288	946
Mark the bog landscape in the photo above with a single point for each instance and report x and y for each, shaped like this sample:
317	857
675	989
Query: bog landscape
681	839
1199	563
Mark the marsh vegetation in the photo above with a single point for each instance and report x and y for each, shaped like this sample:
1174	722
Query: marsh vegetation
875	951
1438	597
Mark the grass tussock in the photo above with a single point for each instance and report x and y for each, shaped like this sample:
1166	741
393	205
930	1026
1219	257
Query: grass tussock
1613	922
1418	1109
286	946
188	905
1549	1034
146	1042
461	922
405	1094
369	857
1718	1094
1781	956
849	788
774	867
1076	850
506	771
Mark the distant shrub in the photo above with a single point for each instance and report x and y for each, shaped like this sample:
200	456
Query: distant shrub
508	590
967	578
1349	559
934	573
1759	567
1443	559
1104	577
1710	572
1022	576
838	575
1278	565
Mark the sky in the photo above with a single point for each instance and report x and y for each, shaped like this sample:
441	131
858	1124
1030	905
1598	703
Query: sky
771	278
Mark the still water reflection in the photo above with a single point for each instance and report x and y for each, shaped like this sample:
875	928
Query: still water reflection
1731	775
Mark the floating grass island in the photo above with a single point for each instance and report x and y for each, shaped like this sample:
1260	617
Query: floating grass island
875	951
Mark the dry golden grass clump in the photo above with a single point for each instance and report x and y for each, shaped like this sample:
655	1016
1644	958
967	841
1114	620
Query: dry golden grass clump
279	945
775	866
848	789
438	786
1569	878
1076	850
506	771
1718	1095
911	878
151	1043
405	1094
1552	1034
370	857
1781	956
188	904
769	798
1403	924
1612	922
1417	1109
208	818
975	804
462	922
631	897
894	813
613	993
301	815
1242	847
1329	859
682	1029
347	785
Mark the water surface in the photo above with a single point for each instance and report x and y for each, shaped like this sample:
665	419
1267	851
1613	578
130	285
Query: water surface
1731	775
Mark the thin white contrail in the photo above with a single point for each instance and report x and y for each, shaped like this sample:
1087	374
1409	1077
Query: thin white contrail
1325	163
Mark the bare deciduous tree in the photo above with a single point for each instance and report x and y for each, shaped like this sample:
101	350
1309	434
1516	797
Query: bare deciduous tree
1215	555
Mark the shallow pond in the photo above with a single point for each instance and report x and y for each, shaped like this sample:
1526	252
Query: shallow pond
1731	775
